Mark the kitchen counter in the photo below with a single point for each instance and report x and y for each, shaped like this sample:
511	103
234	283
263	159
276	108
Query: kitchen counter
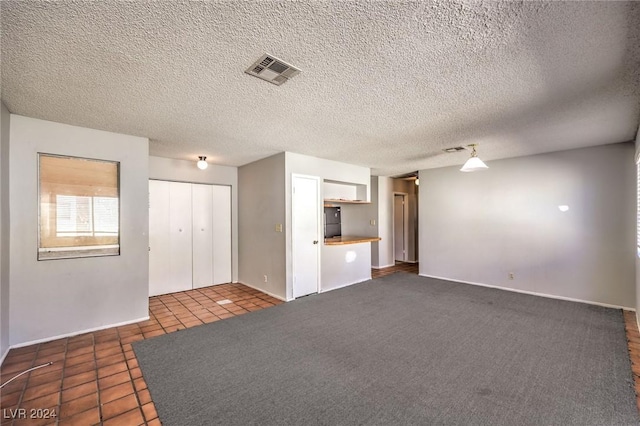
338	241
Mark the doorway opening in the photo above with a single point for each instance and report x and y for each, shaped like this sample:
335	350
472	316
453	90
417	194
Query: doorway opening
405	222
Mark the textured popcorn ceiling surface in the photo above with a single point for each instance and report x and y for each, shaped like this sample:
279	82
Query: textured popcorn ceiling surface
384	84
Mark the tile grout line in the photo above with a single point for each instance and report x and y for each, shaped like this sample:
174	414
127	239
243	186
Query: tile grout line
26	381
95	360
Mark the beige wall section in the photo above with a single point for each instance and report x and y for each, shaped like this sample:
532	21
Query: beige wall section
325	170
261	206
637	159
385	223
375	250
479	227
411	189
264	201
60	297
4	231
186	171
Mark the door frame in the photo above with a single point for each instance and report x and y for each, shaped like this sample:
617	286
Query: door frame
405	224
318	229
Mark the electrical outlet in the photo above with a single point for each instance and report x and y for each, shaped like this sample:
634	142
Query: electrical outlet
372	222
266	279
511	275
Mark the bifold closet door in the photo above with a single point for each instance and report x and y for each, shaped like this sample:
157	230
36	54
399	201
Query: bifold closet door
221	234
202	200
180	241
169	237
159	268
189	236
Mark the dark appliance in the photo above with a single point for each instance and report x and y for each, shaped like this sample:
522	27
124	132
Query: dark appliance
332	227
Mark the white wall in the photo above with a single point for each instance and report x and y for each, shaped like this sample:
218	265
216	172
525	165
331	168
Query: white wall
375	258
261	204
186	171
4	231
326	170
384	247
637	159
478	227
60	297
344	265
356	220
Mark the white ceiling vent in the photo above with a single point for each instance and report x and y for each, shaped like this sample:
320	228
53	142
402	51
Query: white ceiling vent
272	69
455	149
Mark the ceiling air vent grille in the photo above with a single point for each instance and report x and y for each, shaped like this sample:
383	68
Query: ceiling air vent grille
266	61
272	69
455	149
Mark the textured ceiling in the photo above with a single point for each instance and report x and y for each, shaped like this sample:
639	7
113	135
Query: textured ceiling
384	84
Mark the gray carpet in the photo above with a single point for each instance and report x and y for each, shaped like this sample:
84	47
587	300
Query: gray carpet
402	350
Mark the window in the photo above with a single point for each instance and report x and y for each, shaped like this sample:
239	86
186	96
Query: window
79	207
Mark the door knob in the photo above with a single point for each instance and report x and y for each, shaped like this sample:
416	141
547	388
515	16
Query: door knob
315	242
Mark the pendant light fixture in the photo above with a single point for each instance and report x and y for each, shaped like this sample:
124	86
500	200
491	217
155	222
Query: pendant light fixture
474	163
202	163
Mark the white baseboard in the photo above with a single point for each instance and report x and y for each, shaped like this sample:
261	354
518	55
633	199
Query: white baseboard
4	355
382	267
76	333
533	293
344	285
264	291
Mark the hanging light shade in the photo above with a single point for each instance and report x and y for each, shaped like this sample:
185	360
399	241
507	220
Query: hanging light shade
473	163
202	163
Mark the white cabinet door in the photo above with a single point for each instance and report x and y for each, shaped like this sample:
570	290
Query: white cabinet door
159	270
180	241
202	203
221	234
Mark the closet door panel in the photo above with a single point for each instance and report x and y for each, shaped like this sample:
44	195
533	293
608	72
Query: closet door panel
221	234
159	255
202	204
180	236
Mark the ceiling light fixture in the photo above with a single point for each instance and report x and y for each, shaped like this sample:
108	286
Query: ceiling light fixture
202	163
474	163
417	182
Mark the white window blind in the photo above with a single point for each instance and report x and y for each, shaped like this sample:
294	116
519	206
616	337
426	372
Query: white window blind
86	216
79	207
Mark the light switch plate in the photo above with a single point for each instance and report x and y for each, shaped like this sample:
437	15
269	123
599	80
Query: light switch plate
278	227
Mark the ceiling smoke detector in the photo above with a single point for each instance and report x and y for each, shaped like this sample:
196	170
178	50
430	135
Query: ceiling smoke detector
272	69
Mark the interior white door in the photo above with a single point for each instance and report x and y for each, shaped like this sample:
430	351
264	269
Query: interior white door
398	227
221	234
202	231
305	234
159	268
180	241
